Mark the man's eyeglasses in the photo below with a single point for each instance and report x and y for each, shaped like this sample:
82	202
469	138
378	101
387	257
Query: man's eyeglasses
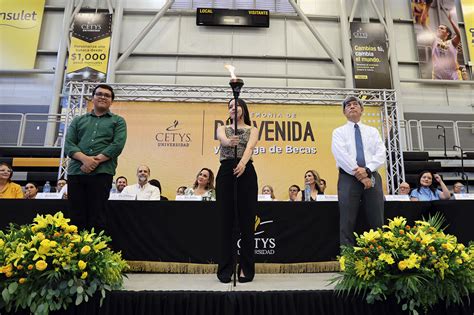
100	94
293	190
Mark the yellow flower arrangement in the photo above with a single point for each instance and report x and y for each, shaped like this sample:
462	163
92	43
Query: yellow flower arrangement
47	265
419	265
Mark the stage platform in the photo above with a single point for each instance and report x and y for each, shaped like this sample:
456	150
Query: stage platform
268	294
209	282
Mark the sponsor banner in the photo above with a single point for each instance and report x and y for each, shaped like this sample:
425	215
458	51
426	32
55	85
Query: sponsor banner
89	49
438	40
20	25
369	47
468	12
176	140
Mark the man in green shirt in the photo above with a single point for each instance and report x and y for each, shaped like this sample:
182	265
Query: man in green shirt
93	142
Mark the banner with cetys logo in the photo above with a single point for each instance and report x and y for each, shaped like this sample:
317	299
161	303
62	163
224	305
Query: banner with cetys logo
176	140
90	45
20	25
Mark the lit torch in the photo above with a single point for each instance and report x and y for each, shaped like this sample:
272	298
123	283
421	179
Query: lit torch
235	83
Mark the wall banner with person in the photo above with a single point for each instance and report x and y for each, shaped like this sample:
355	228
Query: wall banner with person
468	12
370	56
176	140
438	40
20	26
90	45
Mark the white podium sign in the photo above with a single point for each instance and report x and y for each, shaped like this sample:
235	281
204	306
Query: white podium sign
188	198
464	196
49	195
397	198
326	198
264	198
119	196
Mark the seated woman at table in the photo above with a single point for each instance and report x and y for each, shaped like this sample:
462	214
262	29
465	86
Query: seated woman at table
8	189
427	188
180	190
268	190
31	190
311	178
203	185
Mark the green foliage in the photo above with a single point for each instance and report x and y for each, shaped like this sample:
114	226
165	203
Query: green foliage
47	265
419	265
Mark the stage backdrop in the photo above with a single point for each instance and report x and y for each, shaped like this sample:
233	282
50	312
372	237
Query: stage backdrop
177	139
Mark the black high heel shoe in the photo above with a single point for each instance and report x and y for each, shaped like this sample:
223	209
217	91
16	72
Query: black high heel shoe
243	279
224	279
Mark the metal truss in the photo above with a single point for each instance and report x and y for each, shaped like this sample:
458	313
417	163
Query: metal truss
79	92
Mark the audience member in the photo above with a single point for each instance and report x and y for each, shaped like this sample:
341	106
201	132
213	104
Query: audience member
8	189
458	188
180	191
157	183
427	188
323	185
293	192
404	189
311	178
203	185
268	190
60	184
143	190
31	190
120	183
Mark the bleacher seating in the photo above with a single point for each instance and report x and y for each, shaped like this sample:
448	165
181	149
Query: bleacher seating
38	164
449	167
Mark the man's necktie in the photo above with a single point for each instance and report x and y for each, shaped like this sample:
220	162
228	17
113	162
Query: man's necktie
359	147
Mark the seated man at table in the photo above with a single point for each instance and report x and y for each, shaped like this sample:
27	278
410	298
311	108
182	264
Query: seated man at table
143	190
404	189
120	183
60	184
458	188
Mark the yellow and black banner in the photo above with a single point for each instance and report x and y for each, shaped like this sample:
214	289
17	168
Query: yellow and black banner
369	46
20	25
90	45
468	12
176	140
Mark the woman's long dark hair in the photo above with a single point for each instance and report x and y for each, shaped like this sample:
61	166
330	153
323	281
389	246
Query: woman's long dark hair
317	180
433	187
245	112
210	182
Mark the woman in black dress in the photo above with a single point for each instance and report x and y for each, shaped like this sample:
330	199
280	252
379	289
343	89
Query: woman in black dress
247	191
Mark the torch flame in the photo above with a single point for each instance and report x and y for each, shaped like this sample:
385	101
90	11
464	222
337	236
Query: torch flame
231	69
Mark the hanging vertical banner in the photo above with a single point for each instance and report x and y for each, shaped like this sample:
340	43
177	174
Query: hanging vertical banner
438	40
369	47
468	12
90	45
20	25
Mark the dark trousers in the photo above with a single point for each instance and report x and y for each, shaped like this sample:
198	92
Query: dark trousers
87	195
247	190
354	199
